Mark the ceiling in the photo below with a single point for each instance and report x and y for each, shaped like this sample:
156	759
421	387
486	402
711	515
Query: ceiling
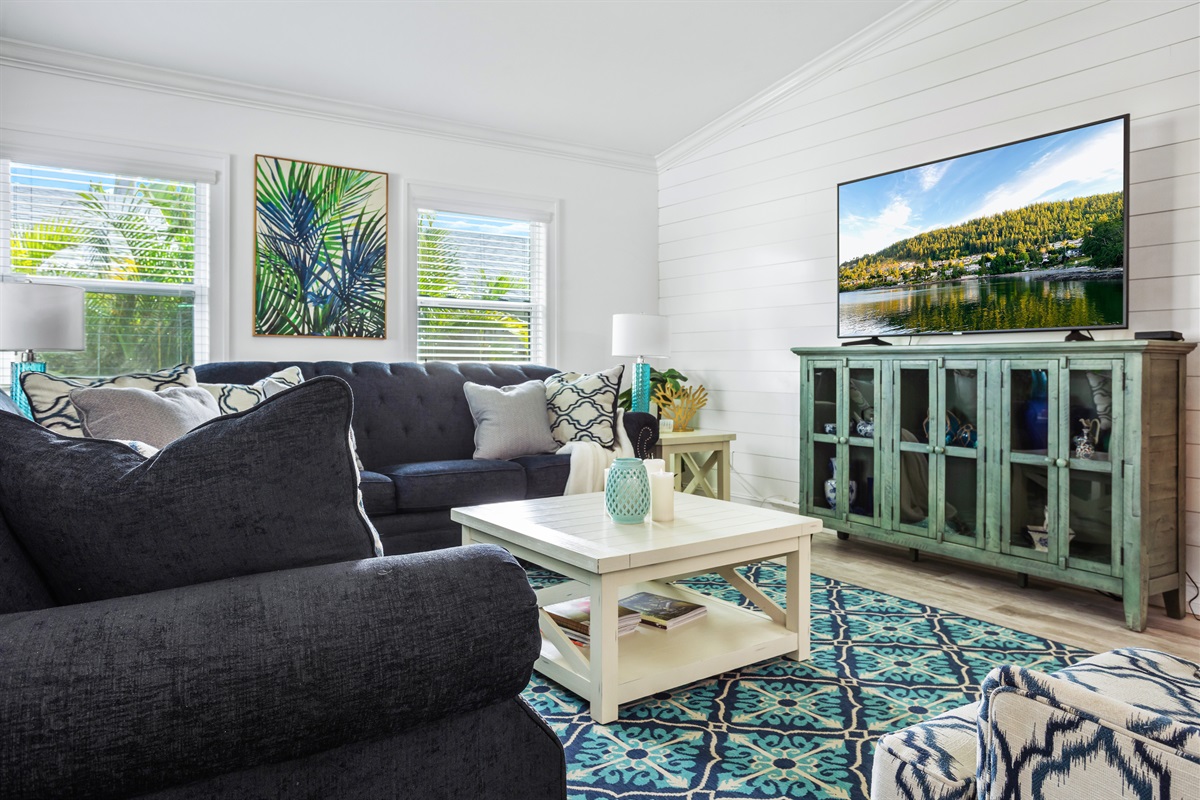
634	76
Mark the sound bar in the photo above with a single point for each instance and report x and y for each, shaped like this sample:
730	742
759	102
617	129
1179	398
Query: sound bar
1172	336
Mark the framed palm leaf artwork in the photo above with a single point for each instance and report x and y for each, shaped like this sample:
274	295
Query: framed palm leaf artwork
320	250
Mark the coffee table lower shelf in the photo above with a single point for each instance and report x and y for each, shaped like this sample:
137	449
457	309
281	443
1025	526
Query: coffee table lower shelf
728	637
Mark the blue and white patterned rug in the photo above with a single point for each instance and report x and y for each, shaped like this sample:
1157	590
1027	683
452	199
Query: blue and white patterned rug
785	729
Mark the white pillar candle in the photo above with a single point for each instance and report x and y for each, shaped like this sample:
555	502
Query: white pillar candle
606	471
654	465
662	496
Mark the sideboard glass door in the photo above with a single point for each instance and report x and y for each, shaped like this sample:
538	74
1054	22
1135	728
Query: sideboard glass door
963	436
843	468
824	392
1030	456
1091	504
915	392
862	442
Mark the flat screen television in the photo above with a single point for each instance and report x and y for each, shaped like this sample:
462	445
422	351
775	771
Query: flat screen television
1026	236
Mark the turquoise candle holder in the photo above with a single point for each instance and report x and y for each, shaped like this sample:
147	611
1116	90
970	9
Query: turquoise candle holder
627	493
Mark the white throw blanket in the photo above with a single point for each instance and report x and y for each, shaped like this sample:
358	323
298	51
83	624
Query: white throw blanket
589	460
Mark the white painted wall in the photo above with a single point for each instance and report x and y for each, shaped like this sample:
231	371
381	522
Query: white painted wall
747	220
607	232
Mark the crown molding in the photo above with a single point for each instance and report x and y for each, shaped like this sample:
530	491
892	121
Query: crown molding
54	61
830	61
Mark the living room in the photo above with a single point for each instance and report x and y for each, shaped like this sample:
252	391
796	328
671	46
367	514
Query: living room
685	162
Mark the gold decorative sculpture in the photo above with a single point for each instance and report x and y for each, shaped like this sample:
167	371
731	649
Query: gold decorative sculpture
680	404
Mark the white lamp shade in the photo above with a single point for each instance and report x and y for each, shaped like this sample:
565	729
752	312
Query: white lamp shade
640	335
40	316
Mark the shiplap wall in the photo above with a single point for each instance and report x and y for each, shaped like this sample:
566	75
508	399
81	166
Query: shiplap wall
747	222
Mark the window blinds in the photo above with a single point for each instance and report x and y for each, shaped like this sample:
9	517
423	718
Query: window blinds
138	246
480	288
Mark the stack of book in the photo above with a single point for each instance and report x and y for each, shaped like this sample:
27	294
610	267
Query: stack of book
574	617
664	613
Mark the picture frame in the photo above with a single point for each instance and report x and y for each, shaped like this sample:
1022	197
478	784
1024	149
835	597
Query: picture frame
320	250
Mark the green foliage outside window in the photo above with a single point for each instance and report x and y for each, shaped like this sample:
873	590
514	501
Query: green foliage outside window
119	231
451	332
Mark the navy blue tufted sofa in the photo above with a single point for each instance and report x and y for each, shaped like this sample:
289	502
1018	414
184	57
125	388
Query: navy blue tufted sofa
416	439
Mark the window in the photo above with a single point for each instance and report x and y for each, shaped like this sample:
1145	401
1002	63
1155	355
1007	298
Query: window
481	285
138	246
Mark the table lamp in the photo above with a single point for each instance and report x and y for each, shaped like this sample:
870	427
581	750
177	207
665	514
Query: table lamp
38	316
640	335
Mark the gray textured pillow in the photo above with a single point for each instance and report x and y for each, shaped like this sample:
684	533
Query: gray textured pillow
267	489
156	418
510	421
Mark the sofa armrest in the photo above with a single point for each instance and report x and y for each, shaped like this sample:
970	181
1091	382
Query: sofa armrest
643	432
136	693
1099	723
931	760
7	404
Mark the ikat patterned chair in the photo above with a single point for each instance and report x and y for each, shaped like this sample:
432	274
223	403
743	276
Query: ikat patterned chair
1123	724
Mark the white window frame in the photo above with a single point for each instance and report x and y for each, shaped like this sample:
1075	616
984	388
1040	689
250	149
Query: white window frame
490	204
48	149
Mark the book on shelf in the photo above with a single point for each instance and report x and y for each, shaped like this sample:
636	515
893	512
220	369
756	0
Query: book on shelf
663	612
575	616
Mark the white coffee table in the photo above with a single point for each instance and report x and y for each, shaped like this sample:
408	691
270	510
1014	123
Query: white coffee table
573	536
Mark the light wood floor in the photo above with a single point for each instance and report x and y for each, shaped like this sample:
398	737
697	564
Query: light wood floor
1083	618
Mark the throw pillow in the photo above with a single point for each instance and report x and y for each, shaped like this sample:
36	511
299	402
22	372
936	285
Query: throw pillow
510	421
583	408
50	395
156	418
234	397
268	489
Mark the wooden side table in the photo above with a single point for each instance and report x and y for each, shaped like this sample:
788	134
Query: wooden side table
681	450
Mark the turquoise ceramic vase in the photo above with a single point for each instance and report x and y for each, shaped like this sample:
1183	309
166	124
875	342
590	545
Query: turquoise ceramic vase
627	493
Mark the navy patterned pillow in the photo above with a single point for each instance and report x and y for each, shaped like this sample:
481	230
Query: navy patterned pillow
50	395
583	408
267	489
234	397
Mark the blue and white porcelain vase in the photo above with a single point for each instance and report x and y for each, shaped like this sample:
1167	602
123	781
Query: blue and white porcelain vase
627	493
831	486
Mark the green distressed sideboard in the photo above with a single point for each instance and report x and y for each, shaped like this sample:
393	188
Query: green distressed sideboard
1059	460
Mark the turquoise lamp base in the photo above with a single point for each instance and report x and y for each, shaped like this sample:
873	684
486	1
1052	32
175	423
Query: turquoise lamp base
18	394
640	400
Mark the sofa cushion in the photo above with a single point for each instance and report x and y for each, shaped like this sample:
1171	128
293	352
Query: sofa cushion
404	412
510	421
378	493
50	400
583	408
545	475
156	418
21	588
267	489
430	485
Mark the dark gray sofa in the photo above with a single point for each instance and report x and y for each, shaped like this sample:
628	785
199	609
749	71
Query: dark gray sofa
416	439
390	677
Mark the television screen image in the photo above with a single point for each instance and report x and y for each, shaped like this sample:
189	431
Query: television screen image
1024	236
